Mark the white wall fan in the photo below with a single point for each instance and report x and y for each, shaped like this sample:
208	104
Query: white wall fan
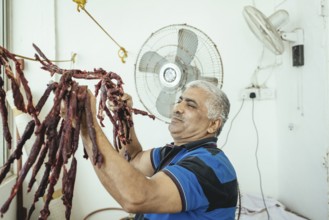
268	30
171	57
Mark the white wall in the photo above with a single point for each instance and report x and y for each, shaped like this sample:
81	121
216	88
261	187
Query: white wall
303	119
291	161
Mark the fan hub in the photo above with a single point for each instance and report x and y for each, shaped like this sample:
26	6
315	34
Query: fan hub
170	75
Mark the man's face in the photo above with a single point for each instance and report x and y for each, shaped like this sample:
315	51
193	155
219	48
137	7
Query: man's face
189	121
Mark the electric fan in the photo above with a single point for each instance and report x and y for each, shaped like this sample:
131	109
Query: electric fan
171	57
267	30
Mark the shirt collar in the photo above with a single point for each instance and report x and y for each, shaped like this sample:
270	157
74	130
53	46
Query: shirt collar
199	143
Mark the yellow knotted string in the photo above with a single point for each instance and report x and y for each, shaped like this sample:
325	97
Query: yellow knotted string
122	53
54	61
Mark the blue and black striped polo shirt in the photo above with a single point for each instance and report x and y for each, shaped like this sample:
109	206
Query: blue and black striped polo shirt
204	176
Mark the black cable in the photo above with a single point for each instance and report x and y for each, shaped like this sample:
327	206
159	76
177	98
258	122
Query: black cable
229	130
239	201
257	162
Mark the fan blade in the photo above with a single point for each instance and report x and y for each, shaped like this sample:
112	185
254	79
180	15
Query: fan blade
191	73
151	62
187	45
165	102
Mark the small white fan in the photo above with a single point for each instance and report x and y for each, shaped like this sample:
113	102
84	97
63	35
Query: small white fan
267	30
170	58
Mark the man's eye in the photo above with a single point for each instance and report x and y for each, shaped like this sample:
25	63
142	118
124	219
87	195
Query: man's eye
191	105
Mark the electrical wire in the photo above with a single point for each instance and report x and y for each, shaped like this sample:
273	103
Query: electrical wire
254	78
256	156
256	151
229	130
228	133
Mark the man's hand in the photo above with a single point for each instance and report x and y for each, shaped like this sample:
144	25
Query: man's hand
125	98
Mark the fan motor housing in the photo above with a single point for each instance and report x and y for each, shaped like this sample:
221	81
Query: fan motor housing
170	75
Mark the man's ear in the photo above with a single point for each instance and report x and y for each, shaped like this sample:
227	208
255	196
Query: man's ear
214	126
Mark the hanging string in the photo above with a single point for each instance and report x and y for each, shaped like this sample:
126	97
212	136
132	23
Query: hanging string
55	61
122	53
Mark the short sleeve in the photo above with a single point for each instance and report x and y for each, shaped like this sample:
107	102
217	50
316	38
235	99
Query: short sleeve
155	157
204	181
191	193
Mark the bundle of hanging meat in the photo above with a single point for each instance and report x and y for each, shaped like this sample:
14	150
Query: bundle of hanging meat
57	136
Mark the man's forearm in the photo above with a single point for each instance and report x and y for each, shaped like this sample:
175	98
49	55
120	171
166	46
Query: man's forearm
138	158
120	179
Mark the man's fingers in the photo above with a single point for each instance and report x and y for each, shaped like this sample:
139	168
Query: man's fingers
125	98
111	105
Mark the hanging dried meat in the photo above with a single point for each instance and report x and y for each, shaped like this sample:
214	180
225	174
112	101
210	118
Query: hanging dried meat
57	135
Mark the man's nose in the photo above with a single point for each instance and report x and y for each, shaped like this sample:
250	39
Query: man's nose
178	108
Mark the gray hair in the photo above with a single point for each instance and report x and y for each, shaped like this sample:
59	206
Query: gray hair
217	102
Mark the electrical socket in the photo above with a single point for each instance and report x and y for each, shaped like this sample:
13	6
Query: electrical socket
247	93
257	93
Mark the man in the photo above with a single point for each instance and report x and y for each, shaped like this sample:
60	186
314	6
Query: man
188	179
